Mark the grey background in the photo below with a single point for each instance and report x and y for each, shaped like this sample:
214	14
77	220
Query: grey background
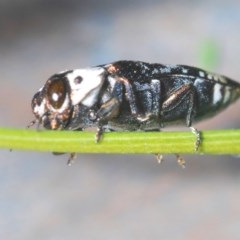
114	196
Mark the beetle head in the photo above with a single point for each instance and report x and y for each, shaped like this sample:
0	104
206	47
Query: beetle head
53	105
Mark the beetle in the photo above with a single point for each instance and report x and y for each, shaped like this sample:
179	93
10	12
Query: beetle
130	96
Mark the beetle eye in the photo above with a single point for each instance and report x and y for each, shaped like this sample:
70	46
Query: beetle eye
56	92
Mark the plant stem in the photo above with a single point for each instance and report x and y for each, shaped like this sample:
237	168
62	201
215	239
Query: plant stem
213	142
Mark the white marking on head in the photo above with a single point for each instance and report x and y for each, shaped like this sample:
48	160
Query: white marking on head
86	90
217	95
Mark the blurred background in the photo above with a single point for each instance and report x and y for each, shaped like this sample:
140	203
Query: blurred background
115	196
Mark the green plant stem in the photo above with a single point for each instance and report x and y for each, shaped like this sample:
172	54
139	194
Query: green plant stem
213	142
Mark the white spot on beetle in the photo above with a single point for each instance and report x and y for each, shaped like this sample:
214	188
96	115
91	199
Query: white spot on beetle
227	94
222	79
184	70
201	74
168	68
217	95
209	76
155	81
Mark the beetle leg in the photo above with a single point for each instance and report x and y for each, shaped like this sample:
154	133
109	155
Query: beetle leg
99	133
33	122
107	111
198	136
117	91
129	94
71	159
180	160
176	97
159	158
156	98
149	96
110	109
184	93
